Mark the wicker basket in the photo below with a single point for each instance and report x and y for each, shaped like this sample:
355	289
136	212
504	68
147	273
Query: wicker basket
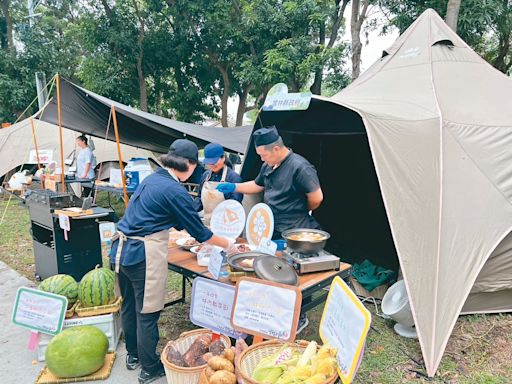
71	311
377	293
185	375
100	310
250	358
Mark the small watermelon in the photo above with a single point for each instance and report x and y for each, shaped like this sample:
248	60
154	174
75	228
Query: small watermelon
97	288
76	351
63	285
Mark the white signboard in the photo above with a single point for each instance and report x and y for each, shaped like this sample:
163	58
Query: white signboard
211	306
260	224
45	156
215	264
228	219
344	325
266	309
39	311
278	99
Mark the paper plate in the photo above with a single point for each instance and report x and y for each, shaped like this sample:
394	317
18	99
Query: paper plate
228	219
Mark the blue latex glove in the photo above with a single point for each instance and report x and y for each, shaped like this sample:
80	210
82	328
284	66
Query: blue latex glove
226	187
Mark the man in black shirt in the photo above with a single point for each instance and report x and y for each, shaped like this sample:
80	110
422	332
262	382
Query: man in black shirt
289	183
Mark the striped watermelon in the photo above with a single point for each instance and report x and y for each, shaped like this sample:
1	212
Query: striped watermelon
97	288
63	285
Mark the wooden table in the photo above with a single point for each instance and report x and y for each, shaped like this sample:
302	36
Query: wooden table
185	263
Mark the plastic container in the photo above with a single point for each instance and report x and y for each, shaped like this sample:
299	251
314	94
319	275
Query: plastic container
135	171
109	324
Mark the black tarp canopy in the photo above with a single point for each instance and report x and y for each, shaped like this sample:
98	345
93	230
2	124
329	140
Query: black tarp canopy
87	112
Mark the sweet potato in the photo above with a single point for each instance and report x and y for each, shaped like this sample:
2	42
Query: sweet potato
175	357
198	348
207	356
219	363
217	348
223	377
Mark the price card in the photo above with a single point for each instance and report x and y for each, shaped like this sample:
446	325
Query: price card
39	311
344	325
267	246
64	224
267	309
215	264
211	306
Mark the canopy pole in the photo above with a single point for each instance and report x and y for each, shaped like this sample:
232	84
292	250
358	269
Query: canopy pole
114	119
60	135
35	142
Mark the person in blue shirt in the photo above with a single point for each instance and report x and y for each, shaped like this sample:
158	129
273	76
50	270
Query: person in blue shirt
139	252
219	171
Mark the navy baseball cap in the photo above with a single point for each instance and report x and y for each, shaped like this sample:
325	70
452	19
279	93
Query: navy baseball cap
184	148
265	136
212	153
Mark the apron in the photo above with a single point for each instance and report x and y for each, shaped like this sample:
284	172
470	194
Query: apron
210	197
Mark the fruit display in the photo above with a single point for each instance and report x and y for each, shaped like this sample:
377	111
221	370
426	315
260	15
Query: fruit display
97	288
77	351
289	366
61	284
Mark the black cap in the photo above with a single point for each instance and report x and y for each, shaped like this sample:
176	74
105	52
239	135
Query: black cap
184	148
265	136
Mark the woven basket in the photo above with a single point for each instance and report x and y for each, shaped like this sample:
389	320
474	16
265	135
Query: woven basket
377	293
185	375
100	310
250	358
71	311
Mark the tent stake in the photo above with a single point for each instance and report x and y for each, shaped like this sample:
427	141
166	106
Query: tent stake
125	193
60	135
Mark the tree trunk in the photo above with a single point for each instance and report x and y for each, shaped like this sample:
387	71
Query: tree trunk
316	87
225	95
338	19
242	106
500	62
452	13
5	4
356	23
143	90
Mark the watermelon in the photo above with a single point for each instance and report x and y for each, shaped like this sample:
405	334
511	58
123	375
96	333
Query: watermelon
97	288
76	351
63	285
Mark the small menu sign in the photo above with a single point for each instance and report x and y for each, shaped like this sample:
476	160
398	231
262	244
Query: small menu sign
266	309
211	306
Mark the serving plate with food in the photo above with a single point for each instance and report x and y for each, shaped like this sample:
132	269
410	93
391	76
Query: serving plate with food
243	262
187	243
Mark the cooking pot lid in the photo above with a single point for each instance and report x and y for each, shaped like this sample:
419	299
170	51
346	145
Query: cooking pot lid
275	269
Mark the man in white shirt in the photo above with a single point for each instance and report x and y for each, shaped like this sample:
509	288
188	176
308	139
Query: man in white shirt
85	162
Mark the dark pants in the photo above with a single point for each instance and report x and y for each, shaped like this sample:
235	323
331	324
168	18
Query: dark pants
140	329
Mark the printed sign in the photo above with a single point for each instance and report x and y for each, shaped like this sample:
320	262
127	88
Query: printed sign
45	156
107	230
211	306
267	246
228	219
215	264
278	99
344	325
266	309
260	224
39	311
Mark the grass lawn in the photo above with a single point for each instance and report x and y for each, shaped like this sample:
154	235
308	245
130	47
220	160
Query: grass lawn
479	350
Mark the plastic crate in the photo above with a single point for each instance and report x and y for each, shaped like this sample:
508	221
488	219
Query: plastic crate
110	325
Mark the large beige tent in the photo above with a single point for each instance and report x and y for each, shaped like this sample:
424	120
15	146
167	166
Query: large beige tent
439	124
16	145
415	161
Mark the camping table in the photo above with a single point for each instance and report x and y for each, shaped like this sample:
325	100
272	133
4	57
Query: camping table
66	181
185	263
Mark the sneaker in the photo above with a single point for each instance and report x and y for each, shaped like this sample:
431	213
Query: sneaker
132	362
146	377
303	323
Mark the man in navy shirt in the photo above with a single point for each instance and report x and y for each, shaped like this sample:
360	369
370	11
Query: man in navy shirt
288	181
219	171
140	252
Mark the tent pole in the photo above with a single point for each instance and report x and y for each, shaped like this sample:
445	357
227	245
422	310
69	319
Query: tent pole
114	119
60	135
35	142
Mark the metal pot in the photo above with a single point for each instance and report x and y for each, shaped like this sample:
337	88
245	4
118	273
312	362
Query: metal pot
305	247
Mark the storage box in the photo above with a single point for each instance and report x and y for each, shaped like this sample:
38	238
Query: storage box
109	324
359	290
135	171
